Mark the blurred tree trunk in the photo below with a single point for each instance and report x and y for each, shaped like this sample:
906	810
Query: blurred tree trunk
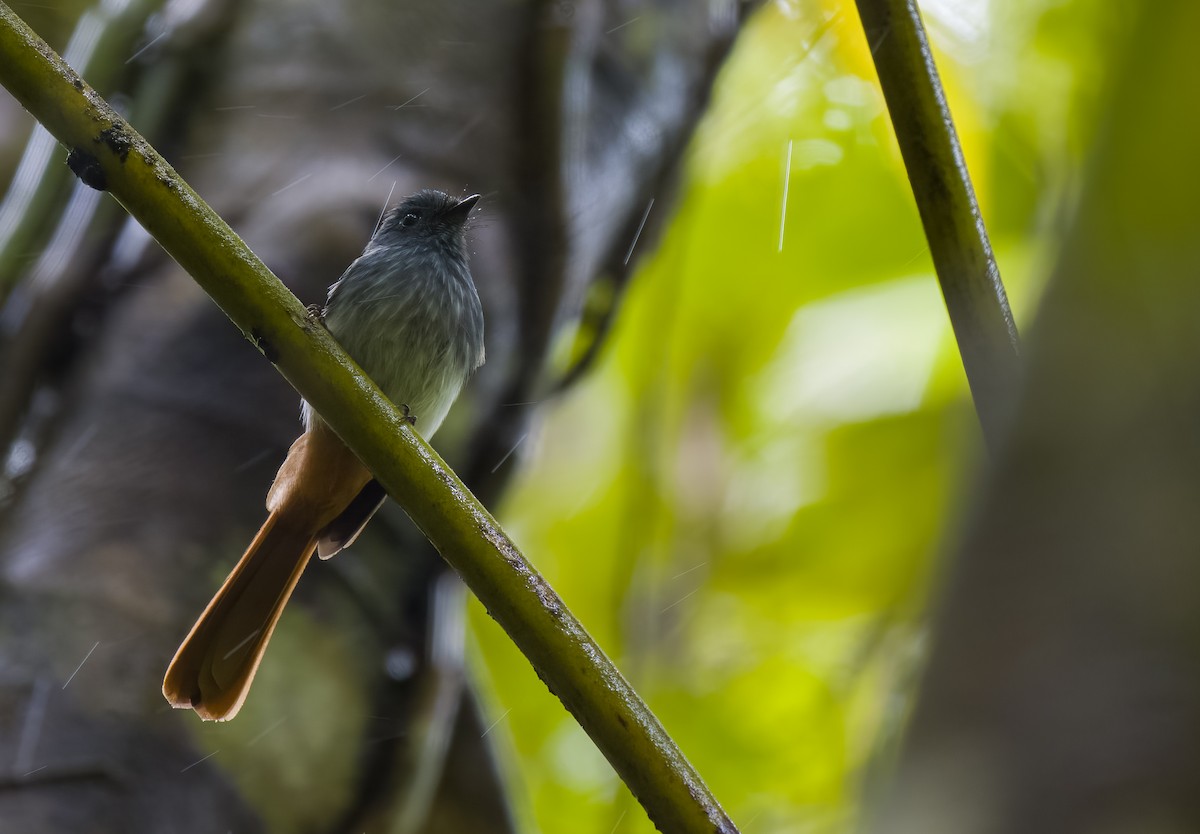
1063	690
166	427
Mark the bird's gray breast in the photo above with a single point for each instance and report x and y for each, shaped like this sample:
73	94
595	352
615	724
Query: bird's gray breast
414	324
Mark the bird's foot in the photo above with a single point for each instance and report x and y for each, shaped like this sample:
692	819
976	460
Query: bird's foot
409	417
316	313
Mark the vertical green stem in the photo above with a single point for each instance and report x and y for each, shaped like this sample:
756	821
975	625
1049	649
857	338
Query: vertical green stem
966	269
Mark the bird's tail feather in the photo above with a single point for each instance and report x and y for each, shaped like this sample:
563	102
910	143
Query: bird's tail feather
343	530
215	665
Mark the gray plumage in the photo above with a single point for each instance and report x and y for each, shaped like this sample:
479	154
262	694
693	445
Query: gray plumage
407	309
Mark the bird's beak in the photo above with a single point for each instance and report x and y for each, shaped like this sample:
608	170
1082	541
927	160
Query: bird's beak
458	214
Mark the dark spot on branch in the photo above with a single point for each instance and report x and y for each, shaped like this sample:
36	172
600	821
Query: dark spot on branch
549	599
621	720
264	347
118	141
87	168
78	82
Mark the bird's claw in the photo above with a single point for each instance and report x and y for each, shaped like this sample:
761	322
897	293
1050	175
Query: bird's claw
409	417
316	313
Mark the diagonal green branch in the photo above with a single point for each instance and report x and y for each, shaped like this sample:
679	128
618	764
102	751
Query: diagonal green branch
958	242
108	153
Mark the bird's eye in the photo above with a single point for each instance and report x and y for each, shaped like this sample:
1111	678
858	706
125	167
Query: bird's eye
409	220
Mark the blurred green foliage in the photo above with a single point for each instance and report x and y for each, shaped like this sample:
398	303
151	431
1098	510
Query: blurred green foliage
746	499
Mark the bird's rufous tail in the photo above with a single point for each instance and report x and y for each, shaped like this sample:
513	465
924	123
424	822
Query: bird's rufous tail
212	671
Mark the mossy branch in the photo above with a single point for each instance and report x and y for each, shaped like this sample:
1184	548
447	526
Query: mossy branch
966	269
107	153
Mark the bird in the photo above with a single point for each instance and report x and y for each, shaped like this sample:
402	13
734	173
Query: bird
407	311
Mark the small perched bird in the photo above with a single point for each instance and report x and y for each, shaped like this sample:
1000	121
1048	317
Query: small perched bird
407	311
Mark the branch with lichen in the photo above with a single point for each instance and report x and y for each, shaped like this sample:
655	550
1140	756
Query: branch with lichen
105	152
